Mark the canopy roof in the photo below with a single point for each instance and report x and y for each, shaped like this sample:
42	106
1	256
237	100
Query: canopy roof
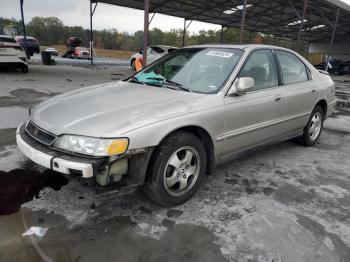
281	18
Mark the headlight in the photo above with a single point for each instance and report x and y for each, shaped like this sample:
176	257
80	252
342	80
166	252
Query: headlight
93	146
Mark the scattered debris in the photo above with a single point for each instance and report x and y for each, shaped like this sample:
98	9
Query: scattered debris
38	231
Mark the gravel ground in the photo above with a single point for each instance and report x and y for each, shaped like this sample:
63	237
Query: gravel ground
284	203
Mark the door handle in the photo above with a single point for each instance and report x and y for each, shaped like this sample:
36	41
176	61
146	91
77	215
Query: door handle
314	91
278	98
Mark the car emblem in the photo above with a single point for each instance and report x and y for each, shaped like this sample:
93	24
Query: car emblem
36	131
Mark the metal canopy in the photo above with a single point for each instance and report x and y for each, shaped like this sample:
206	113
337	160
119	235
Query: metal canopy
280	18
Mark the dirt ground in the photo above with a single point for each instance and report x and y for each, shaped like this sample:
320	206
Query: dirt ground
284	203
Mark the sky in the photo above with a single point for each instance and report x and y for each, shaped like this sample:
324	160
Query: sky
76	12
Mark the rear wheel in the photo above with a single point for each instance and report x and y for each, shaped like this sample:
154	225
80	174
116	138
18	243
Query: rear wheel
313	129
176	170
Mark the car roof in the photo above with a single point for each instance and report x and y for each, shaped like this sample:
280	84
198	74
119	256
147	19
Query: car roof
242	46
164	46
21	36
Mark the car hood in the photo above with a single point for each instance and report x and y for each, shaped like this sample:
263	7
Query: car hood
109	110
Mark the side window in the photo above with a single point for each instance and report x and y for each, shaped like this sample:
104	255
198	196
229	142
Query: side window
293	69
261	67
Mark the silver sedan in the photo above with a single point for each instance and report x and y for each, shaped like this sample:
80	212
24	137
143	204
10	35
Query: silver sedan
170	124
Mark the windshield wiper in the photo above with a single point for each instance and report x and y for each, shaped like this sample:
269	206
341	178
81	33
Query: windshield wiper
173	83
135	80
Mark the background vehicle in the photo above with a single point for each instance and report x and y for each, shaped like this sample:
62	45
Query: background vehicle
52	50
12	54
335	67
346	67
72	43
82	53
170	124
153	53
32	44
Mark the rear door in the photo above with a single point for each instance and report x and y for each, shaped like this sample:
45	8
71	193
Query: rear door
300	90
253	118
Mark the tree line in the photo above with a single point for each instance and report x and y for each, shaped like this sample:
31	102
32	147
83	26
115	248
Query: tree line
52	31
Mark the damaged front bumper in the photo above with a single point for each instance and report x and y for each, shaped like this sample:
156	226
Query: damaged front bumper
105	171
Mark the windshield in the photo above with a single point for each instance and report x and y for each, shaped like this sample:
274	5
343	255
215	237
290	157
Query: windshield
201	70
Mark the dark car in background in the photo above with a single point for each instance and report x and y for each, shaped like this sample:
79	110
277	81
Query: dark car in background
32	44
346	67
335	67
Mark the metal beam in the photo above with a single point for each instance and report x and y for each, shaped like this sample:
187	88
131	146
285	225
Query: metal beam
222	35
332	38
301	23
24	29
145	33
242	21
92	11
150	21
185	30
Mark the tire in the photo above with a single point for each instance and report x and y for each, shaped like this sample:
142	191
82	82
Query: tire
313	129
176	170
24	69
132	64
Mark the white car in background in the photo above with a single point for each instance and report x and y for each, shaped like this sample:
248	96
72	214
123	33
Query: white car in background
153	53
12	54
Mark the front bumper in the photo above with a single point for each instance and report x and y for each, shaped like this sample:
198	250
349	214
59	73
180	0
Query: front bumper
57	161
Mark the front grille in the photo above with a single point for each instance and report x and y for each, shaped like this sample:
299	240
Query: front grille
40	135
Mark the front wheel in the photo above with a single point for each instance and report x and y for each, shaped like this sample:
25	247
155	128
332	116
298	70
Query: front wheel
176	170
313	129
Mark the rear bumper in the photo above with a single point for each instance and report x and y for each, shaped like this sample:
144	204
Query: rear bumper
12	61
55	160
331	108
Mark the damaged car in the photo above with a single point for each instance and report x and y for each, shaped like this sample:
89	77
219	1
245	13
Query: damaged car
169	125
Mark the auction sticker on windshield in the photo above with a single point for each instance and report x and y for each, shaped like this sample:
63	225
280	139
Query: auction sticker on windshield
220	54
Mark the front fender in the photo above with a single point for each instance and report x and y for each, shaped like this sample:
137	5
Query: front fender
211	120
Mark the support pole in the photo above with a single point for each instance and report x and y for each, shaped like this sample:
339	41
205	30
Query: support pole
184	34
332	39
145	32
150	21
222	35
185	30
243	21
24	29
301	23
91	35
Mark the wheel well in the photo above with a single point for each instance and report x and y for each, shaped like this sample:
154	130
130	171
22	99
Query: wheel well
323	105
205	138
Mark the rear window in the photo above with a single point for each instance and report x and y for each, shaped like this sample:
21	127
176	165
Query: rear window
158	49
293	69
7	39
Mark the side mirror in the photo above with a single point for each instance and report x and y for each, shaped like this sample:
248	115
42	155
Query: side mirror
141	51
241	86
